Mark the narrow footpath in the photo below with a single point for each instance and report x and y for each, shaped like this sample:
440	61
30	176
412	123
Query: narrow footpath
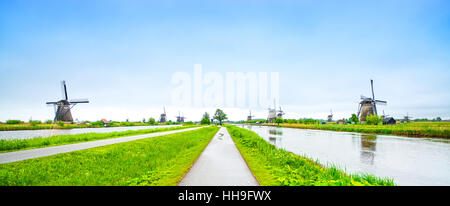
220	164
48	151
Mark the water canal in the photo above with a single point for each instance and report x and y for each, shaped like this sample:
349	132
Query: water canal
408	160
26	134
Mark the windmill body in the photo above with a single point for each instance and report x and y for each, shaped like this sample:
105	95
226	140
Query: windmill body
249	117
163	117
272	116
280	113
330	117
368	106
63	106
180	118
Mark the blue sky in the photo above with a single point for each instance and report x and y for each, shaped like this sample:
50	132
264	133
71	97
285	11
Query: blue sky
121	54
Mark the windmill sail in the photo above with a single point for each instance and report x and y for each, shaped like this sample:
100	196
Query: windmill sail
63	106
368	106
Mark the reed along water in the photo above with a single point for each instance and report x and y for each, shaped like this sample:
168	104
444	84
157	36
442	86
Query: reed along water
408	160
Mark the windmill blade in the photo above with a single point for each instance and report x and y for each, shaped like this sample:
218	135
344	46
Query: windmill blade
359	109
375	108
364	97
51	102
380	102
76	101
64	90
371	85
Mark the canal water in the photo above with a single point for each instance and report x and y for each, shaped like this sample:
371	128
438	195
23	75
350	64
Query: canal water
26	134
408	160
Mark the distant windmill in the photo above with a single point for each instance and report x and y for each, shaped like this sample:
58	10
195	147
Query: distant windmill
180	118
368	106
249	117
163	118
280	113
63	107
330	117
407	118
272	113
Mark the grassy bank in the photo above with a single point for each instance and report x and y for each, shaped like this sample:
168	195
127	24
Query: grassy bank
20	144
159	160
277	167
425	129
28	126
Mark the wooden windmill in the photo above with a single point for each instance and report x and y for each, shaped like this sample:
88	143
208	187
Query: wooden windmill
272	114
368	106
280	113
249	117
180	118
63	106
163	117
330	117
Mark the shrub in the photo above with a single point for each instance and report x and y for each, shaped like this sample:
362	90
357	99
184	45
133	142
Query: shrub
374	119
12	121
60	123
35	122
189	123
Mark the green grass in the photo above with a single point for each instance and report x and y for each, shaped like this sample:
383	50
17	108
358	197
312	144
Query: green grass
277	167
28	126
20	144
413	129
159	160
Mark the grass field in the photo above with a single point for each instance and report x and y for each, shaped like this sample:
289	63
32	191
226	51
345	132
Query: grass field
20	144
159	160
277	167
413	129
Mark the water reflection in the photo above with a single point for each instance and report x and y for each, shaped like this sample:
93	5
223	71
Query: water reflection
368	148
275	136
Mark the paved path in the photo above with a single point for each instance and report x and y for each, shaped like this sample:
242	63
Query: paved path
220	164
47	151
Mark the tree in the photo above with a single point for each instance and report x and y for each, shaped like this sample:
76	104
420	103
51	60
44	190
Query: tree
151	121
438	119
220	116
354	118
205	119
278	121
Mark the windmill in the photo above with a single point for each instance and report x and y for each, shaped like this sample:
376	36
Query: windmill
249	117
63	106
387	119
407	118
330	117
280	113
163	116
180	118
272	114
368	106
